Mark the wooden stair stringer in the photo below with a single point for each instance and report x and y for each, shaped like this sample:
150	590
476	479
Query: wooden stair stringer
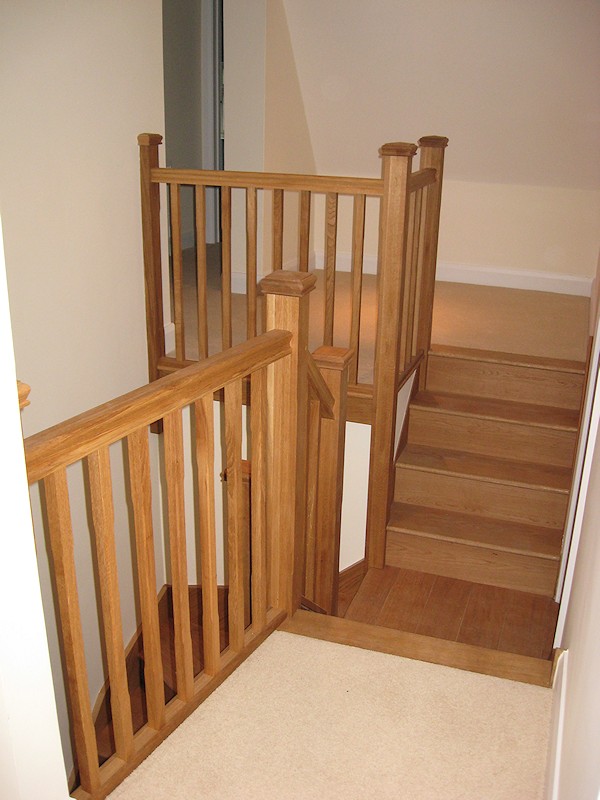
510	666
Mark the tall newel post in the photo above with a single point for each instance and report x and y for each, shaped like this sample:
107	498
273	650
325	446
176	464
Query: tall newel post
150	198
432	150
287	305
393	236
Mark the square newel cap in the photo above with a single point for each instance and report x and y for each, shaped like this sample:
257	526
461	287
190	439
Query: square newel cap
291	284
398	149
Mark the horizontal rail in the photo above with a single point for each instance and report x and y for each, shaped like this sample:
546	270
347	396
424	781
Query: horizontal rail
410	368
372	187
317	382
422	178
79	436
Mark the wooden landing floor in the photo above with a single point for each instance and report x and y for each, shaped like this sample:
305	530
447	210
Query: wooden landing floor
455	610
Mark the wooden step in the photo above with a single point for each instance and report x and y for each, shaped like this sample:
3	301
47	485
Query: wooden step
493	427
423	648
481	485
506	376
488	551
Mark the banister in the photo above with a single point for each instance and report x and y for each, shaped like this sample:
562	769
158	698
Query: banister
78	437
421	179
322	184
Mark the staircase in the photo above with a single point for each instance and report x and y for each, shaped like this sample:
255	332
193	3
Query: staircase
482	482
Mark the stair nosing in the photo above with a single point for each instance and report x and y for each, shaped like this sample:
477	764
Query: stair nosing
569	366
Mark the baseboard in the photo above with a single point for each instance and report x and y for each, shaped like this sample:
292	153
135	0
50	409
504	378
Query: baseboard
559	684
351	577
515	279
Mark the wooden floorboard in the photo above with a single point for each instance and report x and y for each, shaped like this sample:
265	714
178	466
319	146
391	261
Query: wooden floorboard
455	610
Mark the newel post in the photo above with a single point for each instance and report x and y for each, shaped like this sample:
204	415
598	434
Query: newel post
287	305
333	364
150	199
432	150
393	235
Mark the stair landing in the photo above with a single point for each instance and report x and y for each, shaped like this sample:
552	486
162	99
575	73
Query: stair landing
474	614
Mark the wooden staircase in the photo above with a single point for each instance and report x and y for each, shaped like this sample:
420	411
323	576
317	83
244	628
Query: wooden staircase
483	478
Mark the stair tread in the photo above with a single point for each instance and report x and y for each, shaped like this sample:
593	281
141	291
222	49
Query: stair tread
485	468
500	410
516	359
487	532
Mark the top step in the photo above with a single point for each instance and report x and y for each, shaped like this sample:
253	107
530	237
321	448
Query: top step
506	376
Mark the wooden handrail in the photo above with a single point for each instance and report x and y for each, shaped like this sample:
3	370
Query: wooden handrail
322	184
421	179
409	370
76	438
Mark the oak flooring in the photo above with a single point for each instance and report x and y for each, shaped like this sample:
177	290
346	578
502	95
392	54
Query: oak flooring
456	610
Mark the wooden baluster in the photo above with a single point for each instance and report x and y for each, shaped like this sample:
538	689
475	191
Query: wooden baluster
358	242
331	206
150	198
226	267
61	544
312	478
420	249
200	193
205	462
409	283
432	155
396	169
287	309
258	504
101	501
277	254
173	440
333	363
176	250
304	232
251	267
235	513
141	498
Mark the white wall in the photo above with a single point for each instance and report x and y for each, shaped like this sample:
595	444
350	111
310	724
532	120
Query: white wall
29	733
78	82
509	84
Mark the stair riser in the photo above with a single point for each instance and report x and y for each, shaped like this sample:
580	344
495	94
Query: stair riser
491	437
471	563
484	498
504	381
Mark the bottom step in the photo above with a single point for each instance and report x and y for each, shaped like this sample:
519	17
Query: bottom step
422	648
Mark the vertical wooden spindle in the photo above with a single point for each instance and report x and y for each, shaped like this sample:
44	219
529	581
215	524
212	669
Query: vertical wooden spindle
358	242
141	498
226	324
200	194
331	206
304	232
101	501
173	439
251	261
258	504
312	478
235	513
61	544
277	232
177	256
205	462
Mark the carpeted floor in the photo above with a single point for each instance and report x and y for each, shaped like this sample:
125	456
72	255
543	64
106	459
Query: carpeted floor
304	719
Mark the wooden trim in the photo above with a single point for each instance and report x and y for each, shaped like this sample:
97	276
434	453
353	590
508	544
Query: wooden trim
202	287
177	264
319	385
360	404
510	666
23	391
322	184
351	577
421	179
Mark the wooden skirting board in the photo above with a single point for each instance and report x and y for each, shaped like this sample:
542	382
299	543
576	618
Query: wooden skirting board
422	648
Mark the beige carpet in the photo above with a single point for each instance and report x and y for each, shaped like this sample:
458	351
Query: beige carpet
303	718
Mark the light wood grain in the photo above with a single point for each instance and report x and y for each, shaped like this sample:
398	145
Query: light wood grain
226	267
258	485
201	276
304	231
331	208
251	260
177	266
358	236
23	391
60	532
101	502
235	513
277	230
174	473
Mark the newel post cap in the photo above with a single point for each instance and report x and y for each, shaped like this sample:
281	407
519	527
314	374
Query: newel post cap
291	284
405	149
149	139
433	141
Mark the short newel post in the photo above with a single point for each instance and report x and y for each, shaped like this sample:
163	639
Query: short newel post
393	236
432	155
150	198
334	364
287	305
